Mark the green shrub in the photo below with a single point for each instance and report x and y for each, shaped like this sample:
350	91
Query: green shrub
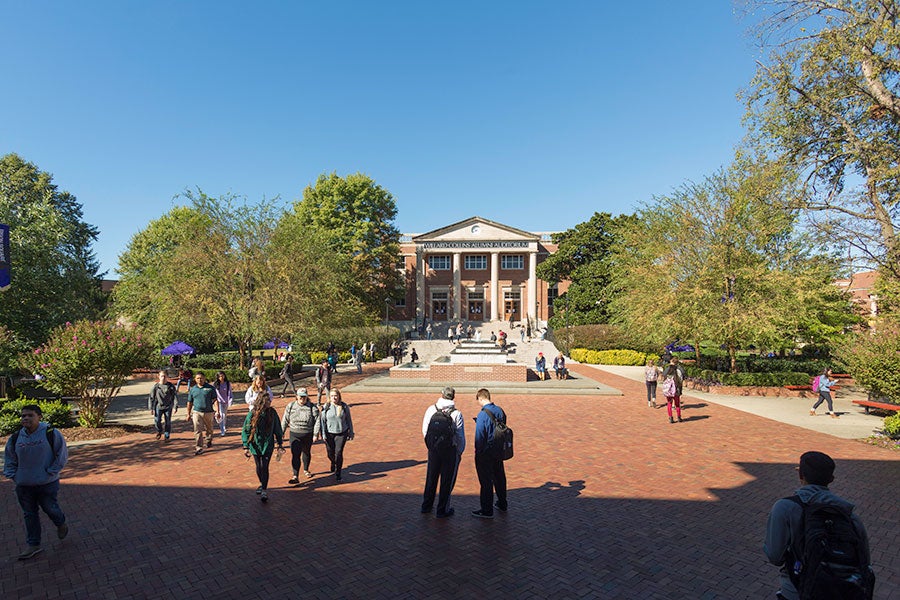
219	360
56	413
233	375
892	425
345	338
611	357
777	379
874	361
316	358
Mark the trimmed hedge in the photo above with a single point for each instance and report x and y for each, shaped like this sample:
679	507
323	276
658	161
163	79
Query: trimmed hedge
316	358
892	425
56	413
775	379
611	357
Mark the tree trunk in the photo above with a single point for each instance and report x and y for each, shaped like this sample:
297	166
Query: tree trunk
697	352
732	354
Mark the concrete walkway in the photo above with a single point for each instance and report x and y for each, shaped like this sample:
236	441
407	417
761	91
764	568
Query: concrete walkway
853	423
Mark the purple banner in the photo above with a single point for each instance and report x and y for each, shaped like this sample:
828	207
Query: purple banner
4	257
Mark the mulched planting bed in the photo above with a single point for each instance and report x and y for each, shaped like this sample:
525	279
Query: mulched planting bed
84	434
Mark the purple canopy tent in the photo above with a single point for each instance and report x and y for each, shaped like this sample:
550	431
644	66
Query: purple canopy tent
270	345
177	348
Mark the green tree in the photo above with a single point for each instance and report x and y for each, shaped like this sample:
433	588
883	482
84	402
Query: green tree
826	100
54	273
721	261
89	360
873	358
582	258
358	216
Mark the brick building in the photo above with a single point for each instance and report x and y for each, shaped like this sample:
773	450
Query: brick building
475	270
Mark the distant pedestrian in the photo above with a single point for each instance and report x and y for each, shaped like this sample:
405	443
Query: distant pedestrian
413	357
359	359
162	402
429	332
450	332
258	368
201	406
257	388
337	429
459	332
540	366
673	380
651	377
371	352
493	337
469	332
488	461
559	367
225	397
261	433
34	456
825	384
522	333
301	420
323	381
444	432
287	374
185	376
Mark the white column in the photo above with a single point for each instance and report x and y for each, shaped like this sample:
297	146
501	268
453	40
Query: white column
495	283
457	291
420	285
532	285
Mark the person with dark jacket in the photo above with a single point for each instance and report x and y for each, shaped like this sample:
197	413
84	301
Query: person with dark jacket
162	402
488	465
443	456
261	433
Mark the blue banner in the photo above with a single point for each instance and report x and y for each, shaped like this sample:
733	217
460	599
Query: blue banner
4	256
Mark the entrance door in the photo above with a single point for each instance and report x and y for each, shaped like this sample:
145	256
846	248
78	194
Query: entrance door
511	310
439	310
476	310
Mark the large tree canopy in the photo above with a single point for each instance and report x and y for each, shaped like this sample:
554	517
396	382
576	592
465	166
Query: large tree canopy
54	273
358	216
721	261
826	100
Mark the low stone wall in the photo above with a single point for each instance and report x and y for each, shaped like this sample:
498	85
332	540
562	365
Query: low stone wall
734	390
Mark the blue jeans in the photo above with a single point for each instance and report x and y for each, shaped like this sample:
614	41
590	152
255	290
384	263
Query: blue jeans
163	416
30	498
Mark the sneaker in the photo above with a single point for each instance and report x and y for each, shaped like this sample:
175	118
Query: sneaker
264	496
259	490
293	480
308	474
62	531
198	451
500	508
158	435
834	415
449	513
166	441
426	510
337	477
482	515
812	412
679	419
671	420
209	443
30	553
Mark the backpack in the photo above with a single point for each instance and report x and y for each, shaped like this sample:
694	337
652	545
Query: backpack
49	431
441	434
669	388
829	558
501	447
815	383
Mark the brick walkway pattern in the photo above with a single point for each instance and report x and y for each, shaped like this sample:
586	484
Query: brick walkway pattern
607	500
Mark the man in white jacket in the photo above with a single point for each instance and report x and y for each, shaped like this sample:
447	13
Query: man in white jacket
445	438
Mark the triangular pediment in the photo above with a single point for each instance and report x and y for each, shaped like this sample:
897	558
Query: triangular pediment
476	229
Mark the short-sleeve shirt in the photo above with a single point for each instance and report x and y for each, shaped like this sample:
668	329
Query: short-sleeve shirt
203	397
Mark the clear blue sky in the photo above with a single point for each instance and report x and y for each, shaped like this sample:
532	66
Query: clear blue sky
534	114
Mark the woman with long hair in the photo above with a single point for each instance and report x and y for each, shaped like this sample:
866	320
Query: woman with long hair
337	429
257	389
261	433
225	397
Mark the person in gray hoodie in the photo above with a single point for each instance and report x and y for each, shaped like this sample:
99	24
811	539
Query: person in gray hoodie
443	462
301	418
784	529
33	458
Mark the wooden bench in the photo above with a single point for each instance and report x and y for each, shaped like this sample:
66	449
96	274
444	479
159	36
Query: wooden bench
867	404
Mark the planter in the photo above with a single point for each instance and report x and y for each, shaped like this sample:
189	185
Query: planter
753	390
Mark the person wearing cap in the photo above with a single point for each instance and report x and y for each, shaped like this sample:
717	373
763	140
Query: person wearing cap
784	530
301	419
540	366
443	463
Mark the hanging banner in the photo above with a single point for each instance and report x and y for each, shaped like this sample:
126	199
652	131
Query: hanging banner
4	256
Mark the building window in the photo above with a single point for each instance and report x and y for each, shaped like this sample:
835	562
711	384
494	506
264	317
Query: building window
475	294
401	302
515	261
552	295
439	263
401	264
438	295
476	262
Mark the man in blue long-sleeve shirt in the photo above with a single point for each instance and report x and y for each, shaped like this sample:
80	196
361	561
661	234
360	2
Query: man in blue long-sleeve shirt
488	463
33	459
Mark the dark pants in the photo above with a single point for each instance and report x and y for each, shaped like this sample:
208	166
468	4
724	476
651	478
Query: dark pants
824	397
334	443
443	466
651	391
262	468
161	415
301	444
492	477
288	382
44	496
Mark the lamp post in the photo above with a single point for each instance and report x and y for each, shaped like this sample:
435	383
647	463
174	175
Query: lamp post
387	304
567	322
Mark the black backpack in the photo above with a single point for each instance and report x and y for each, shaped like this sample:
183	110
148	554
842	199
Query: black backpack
501	447
50	437
441	434
829	560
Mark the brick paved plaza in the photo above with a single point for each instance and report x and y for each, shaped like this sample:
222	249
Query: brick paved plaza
607	500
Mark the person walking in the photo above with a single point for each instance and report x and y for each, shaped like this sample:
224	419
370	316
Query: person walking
33	458
337	429
323	381
162	402
444	432
359	359
225	398
651	378
258	368
413	356
185	376
201	406
429	332
673	380
261	433
287	373
488	461
824	388
257	388
301	419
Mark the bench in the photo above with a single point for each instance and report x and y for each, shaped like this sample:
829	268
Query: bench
867	404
